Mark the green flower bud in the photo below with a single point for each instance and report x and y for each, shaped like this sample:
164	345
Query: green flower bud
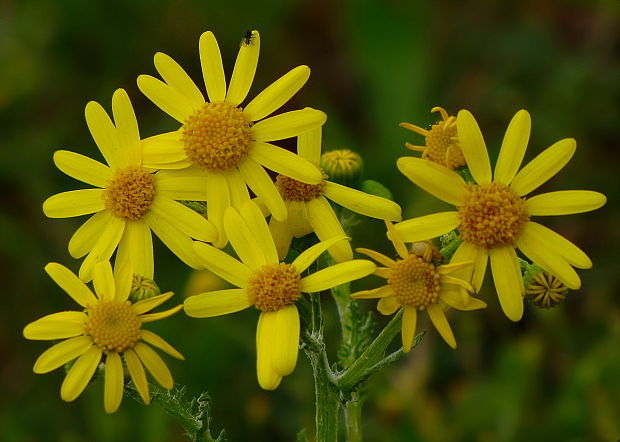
376	188
343	166
142	288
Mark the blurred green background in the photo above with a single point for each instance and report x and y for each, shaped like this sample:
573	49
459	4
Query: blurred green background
553	376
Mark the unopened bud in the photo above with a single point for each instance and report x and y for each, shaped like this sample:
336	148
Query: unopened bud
542	288
376	188
142	288
343	166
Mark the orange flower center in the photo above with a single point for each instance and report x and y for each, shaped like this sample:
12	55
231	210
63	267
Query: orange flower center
217	136
113	325
442	145
293	190
492	215
274	286
415	282
130	193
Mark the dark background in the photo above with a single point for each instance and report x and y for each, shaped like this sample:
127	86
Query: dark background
553	376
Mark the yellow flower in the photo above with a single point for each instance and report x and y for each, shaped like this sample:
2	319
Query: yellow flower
414	283
310	211
493	215
109	326
442	143
221	141
269	285
129	200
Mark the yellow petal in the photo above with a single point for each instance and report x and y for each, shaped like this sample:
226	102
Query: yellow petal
565	202
74	203
362	203
178	242
397	241
255	220
513	148
410	319
166	98
560	245
298	219
380	292
311	254
83	168
288	125
326	225
56	326
237	189
379	257
183	218
508	281
309	145
457	297
177	78
151	317
212	67
543	167
474	274
130	150
427	227
388	305
262	185
277	93
473	147
154	365
103	249
71	284
149	304
285	162
282	236
136	246
285	340
114	383
61	353
243	240
336	275
103	132
172	186
80	374
216	303
164	151
223	265
244	70
268	378
436	179
138	376
219	200
103	281
86	236
123	279
157	341
439	320
537	249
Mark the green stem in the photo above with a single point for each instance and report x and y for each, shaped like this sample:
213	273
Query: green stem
326	393
353	418
358	370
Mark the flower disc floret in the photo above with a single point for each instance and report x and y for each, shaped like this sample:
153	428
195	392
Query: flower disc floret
274	286
491	215
130	193
293	190
217	136
442	145
415	282
113	325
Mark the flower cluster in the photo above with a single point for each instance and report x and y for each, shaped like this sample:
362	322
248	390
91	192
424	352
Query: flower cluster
218	158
